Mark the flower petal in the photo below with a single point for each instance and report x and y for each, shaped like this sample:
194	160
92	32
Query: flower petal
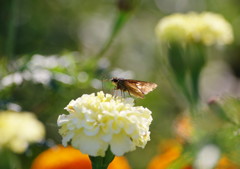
90	145
121	144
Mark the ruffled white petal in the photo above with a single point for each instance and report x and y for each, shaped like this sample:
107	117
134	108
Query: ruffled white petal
90	145
121	144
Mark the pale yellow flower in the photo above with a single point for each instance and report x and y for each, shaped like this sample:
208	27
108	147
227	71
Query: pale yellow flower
207	28
172	28
96	122
18	129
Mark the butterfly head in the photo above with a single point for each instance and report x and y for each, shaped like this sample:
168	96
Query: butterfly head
114	80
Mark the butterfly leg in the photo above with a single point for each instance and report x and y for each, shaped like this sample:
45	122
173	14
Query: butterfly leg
113	91
122	94
129	93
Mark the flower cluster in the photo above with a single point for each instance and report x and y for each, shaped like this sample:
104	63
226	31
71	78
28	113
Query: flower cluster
207	28
96	122
18	129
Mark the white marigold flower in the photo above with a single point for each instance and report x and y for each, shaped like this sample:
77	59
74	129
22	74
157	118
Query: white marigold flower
96	122
207	28
172	28
215	29
18	129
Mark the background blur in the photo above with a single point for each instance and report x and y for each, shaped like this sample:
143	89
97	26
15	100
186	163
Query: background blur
55	51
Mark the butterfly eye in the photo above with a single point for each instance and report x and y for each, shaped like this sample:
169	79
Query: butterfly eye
115	80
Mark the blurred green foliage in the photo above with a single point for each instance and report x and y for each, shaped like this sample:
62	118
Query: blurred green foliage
55	51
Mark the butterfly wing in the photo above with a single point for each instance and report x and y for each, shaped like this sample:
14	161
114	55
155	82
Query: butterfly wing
133	89
139	88
146	87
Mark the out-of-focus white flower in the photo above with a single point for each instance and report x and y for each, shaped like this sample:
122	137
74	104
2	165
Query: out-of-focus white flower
40	61
96	122
207	28
18	129
15	78
208	157
83	77
41	76
43	61
103	63
96	83
64	78
14	107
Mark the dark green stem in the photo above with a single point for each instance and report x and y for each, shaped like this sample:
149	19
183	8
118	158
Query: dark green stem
102	162
176	58
197	59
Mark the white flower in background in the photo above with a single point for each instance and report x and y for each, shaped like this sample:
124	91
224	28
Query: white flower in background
43	61
64	78
207	28
18	129
82	77
208	157
40	61
96	122
43	76
15	78
96	83
14	107
172	28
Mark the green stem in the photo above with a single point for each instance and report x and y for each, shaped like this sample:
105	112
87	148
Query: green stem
197	60
9	160
102	162
176	58
120	21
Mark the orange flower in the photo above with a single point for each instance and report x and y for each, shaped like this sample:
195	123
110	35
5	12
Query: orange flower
225	163
183	127
60	157
119	163
171	150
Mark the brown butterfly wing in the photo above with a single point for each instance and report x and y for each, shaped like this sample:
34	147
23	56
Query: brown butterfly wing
133	89
139	88
146	87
